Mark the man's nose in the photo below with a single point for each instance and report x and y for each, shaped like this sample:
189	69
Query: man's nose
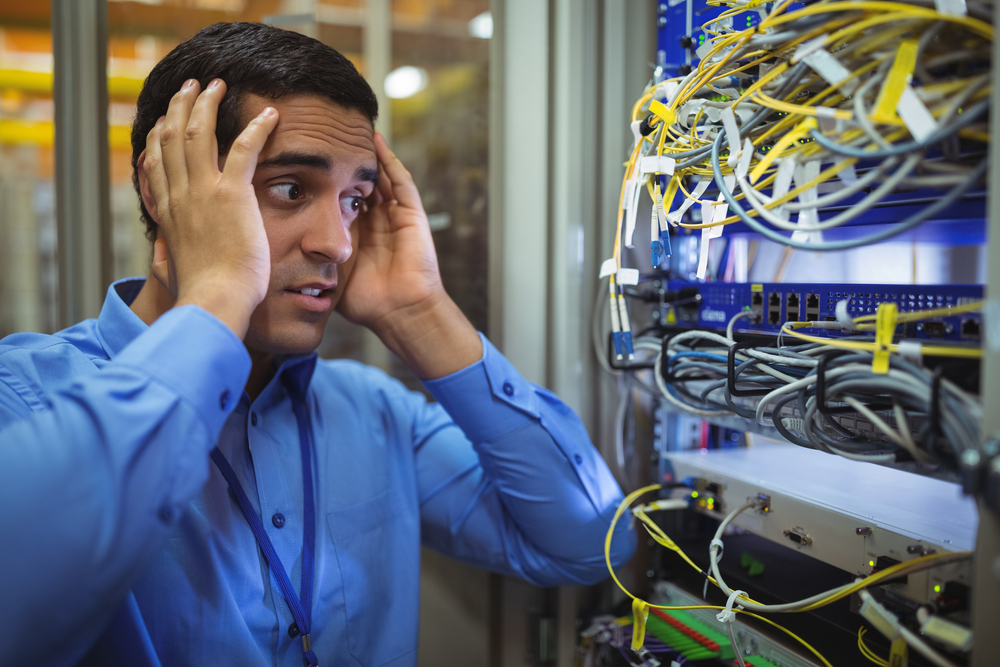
328	237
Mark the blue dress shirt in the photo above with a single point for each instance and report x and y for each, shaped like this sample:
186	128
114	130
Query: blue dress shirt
106	486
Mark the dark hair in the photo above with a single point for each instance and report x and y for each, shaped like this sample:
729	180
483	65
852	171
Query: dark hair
251	58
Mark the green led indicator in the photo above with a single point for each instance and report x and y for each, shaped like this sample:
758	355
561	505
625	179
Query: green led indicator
694	494
937	588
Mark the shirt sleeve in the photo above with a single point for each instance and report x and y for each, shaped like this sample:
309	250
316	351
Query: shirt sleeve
94	475
509	480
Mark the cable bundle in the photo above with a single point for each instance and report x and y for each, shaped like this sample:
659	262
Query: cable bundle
812	394
837	104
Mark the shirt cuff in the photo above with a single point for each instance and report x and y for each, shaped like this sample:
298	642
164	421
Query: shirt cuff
487	399
193	353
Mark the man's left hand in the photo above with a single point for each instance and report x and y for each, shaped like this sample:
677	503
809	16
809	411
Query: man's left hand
394	287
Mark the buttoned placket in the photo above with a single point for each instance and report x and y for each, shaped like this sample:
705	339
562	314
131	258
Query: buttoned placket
264	421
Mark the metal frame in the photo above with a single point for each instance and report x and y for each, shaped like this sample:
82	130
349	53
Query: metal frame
986	590
82	184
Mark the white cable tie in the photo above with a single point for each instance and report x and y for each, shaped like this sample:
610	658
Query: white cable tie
714	113
634	186
636	134
807	48
911	350
843	319
704	50
717	543
827	118
732	135
915	116
706	236
783	182
746	157
657	164
951	7
847	175
722	207
727	614
808	216
687	110
675	216
608	268
831	70
628	276
669	90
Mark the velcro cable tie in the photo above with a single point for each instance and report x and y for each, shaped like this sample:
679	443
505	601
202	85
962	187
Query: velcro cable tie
885	329
662	111
896	81
639	612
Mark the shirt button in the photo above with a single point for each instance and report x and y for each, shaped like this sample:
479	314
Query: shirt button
508	388
224	400
293	630
278	520
578	459
253	418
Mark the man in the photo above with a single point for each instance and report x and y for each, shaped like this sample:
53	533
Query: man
266	508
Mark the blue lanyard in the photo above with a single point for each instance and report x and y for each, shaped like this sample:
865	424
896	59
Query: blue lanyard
302	612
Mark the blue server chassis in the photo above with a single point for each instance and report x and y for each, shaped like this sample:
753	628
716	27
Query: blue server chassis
772	304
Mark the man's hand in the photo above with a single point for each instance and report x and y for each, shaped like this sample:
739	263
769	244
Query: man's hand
211	249
395	287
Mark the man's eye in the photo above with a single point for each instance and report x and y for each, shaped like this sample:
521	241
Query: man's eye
290	191
353	203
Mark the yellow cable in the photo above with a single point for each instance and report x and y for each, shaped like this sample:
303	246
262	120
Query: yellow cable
622	507
867	652
918	315
926	350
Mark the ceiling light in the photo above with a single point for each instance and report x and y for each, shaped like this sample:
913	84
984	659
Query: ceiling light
405	82
482	26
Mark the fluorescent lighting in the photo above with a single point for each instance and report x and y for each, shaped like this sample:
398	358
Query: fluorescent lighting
405	81
482	26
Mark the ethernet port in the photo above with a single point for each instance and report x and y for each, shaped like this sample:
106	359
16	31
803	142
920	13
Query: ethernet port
970	329
812	307
756	307
792	307
774	308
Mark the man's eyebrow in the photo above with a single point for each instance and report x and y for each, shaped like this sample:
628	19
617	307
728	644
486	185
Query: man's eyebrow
366	174
296	159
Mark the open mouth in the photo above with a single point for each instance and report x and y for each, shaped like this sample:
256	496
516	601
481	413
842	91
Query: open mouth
312	298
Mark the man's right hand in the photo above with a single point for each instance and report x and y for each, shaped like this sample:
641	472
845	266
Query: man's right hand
211	249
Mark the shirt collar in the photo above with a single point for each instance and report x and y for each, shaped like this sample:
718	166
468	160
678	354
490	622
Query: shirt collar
117	325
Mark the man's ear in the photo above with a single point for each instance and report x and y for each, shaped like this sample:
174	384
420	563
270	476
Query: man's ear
148	200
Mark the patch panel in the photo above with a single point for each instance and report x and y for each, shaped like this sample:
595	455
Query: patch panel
771	304
759	649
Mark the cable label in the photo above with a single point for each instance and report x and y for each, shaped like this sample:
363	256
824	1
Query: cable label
885	329
895	82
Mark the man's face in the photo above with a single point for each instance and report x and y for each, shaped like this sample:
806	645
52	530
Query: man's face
313	175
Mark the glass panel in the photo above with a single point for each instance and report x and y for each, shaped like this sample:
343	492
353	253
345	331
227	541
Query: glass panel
28	261
439	99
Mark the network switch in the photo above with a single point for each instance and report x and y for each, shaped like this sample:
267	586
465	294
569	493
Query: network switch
769	305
